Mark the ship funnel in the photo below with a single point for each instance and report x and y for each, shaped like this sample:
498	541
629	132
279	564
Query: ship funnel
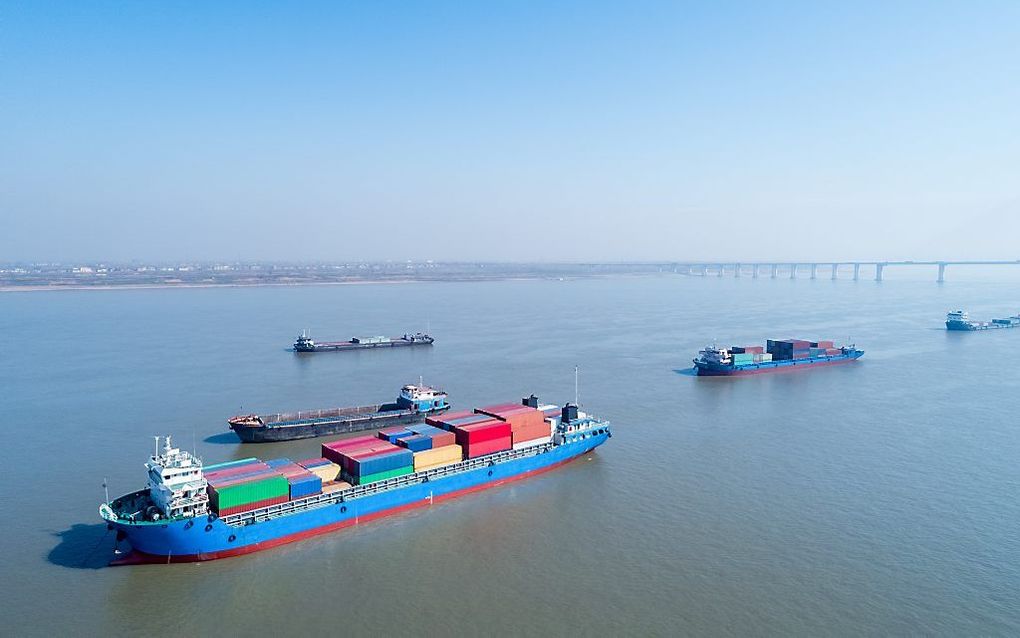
568	413
531	402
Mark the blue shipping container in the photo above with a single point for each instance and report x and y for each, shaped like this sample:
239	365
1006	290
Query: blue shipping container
382	462
392	438
304	485
278	462
416	443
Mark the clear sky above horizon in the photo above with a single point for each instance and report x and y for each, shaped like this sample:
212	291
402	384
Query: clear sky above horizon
509	131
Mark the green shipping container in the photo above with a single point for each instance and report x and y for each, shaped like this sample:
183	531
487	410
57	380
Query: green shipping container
244	493
388	474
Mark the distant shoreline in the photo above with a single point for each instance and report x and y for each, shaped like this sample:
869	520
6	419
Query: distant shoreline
359	282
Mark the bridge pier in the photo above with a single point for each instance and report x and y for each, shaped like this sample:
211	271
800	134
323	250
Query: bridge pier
736	270
754	271
774	269
814	271
857	272
835	267
878	271
722	267
942	272
793	271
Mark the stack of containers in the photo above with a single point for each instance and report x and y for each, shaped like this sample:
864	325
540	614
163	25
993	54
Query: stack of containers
528	425
483	437
369	459
740	359
321	467
450	421
789	349
240	487
415	442
442	447
302	482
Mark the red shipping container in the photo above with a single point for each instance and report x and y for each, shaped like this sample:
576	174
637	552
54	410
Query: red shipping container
754	349
501	407
314	462
833	351
799	344
481	448
824	344
531	432
442	439
478	432
352	442
801	355
247	507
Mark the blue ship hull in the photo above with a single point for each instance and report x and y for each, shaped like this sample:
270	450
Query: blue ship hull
706	369
969	326
208	538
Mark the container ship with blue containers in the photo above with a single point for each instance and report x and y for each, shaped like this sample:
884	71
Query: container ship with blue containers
960	320
776	356
194	512
414	405
305	343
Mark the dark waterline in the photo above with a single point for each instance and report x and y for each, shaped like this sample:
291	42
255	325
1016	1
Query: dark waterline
872	498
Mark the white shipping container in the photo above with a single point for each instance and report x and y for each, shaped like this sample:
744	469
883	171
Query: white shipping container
524	444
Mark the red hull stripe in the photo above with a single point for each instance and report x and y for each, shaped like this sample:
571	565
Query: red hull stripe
139	558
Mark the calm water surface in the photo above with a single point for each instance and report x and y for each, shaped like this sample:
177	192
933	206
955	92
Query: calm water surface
875	498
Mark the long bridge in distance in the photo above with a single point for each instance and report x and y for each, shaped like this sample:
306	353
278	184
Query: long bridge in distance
777	269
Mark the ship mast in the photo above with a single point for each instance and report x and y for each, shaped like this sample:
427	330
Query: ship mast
576	386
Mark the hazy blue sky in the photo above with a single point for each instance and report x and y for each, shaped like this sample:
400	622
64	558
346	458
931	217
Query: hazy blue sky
512	131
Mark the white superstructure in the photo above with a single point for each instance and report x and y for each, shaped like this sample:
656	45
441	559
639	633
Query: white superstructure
177	486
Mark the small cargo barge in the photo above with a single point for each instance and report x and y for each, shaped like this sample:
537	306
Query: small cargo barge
195	512
776	356
960	320
414	405
305	343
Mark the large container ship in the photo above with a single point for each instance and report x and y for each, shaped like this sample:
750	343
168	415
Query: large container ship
960	320
305	343
776	356
414	405
191	512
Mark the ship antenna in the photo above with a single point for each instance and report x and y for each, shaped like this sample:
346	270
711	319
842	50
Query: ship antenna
576	386
156	453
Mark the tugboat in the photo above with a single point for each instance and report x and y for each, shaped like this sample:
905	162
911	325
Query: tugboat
305	343
415	403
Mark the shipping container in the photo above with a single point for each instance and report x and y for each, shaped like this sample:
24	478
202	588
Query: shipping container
254	505
334	486
485	431
416	442
310	463
360	466
518	445
327	472
307	485
392	434
226	497
437	457
365	479
833	351
222	466
442	420
490	446
237	470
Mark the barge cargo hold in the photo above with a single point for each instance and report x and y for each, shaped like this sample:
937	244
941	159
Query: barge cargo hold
305	343
961	321
414	405
173	520
777	356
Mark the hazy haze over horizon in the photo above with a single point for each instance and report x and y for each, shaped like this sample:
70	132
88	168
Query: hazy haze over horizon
504	132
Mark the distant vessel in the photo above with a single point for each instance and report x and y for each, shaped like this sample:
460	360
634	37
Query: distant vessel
305	343
415	403
787	354
959	320
195	512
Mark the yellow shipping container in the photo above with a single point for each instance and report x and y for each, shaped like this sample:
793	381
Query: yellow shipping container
428	459
329	488
326	472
